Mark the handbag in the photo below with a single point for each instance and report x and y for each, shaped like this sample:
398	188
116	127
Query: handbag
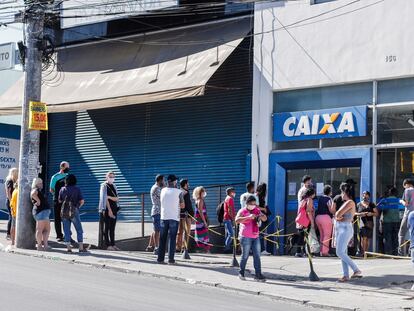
313	241
302	218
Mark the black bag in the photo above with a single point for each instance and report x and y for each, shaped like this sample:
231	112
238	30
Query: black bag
67	211
220	212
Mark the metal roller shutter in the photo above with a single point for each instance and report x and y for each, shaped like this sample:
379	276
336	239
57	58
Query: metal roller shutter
206	139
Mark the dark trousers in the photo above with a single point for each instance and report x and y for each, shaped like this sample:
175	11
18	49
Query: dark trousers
262	236
58	220
9	223
169	229
110	224
101	233
390	232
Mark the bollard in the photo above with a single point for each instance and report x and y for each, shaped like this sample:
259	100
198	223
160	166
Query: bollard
234	262
313	277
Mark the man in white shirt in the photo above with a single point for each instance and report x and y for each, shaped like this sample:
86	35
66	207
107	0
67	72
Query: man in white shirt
172	200
306	184
250	192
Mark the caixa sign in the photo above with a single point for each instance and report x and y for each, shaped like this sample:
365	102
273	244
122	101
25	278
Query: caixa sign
320	124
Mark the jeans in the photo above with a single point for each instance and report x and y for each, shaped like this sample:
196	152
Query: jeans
390	232
169	230
228	226
9	222
402	233
76	221
248	244
58	220
344	233
324	223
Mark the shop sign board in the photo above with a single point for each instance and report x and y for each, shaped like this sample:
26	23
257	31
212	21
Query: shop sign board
38	116
7	56
9	156
77	13
320	124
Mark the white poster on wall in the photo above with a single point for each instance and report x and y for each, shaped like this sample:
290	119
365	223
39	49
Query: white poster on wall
9	157
319	188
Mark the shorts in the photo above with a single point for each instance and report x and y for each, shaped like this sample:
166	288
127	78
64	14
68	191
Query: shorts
13	223
156	220
43	215
366	232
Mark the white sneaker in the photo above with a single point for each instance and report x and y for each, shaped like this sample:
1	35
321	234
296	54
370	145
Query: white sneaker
265	253
412	288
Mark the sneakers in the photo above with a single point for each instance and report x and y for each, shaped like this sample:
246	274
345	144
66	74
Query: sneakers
149	249
155	251
265	253
260	278
241	276
59	239
83	250
172	262
412	288
299	255
8	237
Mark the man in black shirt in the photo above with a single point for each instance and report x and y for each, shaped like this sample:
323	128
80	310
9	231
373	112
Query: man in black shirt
186	215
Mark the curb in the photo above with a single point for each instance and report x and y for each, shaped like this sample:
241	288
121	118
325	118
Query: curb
180	279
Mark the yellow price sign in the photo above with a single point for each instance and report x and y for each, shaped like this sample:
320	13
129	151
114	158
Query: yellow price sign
38	116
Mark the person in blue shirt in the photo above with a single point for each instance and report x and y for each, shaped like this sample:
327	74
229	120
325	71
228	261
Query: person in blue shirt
411	228
56	183
390	221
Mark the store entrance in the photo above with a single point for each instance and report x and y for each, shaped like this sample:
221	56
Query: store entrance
332	176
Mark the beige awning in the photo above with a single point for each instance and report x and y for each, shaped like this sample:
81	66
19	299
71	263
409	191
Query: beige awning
142	69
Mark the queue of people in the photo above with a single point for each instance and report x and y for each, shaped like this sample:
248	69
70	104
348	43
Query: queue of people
343	224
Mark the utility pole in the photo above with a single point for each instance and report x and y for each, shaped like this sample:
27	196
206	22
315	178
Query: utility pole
29	140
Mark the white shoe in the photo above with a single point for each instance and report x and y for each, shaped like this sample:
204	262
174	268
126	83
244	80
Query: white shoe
412	288
265	253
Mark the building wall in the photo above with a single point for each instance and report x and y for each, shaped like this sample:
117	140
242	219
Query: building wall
299	45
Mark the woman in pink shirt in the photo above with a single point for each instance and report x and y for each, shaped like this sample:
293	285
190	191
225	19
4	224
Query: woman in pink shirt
249	218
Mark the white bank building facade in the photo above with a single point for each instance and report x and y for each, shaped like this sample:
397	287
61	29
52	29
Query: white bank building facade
333	97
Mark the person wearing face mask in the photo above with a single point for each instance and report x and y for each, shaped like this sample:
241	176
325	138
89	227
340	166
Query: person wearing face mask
201	232
306	184
108	209
56	183
366	210
41	212
344	232
249	218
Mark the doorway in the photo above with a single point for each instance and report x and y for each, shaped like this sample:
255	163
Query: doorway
321	177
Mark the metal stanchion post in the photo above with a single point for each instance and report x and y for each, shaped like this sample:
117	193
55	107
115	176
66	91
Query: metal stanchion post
185	254
234	262
142	215
313	277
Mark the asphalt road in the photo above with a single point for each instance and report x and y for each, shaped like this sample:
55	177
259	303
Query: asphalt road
28	283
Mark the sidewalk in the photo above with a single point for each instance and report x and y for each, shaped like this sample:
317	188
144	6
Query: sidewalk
385	286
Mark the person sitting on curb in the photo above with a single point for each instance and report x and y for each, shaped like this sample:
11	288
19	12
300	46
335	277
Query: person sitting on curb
249	218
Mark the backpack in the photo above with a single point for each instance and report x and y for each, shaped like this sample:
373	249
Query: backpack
220	212
68	208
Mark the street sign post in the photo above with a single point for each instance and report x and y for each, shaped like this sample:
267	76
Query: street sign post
7	59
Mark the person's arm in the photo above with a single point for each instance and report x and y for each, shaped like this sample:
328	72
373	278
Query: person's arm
8	190
343	210
331	207
263	217
182	202
52	185
242	219
35	197
309	211
80	198
232	209
60	197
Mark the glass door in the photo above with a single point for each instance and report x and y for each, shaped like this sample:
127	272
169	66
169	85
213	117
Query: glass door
320	177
